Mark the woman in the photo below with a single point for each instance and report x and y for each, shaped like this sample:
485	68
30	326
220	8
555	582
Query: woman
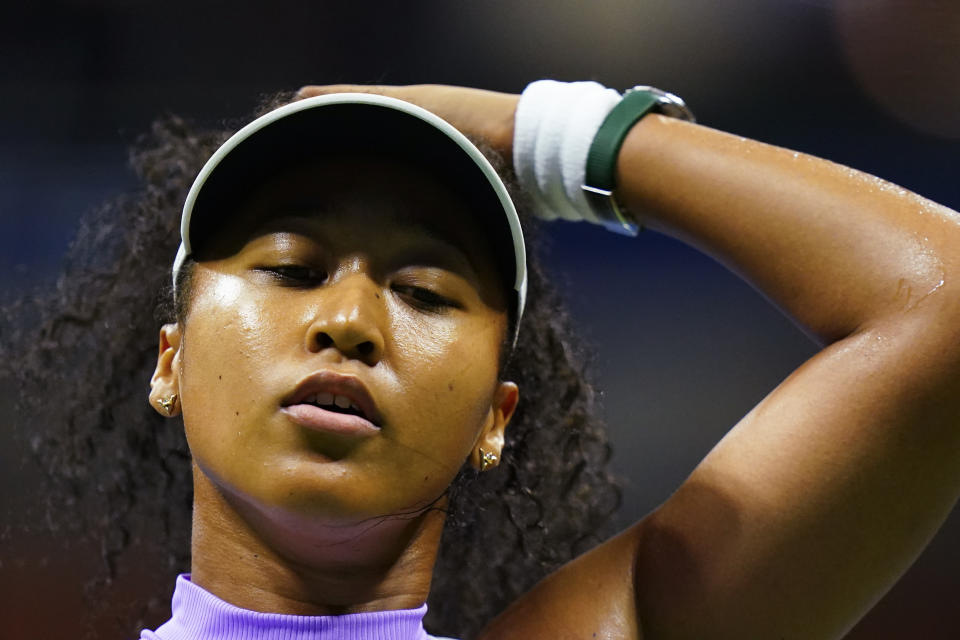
793	526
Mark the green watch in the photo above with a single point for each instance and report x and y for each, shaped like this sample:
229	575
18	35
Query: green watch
600	177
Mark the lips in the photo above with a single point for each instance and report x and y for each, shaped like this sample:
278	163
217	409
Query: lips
333	402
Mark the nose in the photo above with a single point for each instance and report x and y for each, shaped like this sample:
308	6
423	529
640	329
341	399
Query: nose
349	320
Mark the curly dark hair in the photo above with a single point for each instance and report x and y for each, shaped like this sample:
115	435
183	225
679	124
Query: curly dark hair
116	470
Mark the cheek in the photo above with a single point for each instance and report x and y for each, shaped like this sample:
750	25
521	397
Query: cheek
471	338
226	341
447	355
446	373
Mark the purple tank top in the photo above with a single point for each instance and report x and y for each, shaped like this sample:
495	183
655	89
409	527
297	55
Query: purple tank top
200	615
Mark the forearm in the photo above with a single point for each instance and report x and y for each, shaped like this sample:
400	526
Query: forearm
835	248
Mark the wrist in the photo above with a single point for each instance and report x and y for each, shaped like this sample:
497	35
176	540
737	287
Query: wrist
559	125
502	127
554	126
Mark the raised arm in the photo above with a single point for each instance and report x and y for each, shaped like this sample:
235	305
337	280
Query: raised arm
818	500
814	504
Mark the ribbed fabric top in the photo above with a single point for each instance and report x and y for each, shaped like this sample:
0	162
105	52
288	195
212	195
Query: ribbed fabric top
200	615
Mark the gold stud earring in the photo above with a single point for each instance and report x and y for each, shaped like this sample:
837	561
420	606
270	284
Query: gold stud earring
487	459
168	403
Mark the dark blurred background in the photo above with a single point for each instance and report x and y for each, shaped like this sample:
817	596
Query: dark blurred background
681	348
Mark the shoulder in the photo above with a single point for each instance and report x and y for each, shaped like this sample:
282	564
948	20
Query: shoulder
591	596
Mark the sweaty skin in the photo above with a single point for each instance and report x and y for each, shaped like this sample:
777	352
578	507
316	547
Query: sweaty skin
811	507
372	274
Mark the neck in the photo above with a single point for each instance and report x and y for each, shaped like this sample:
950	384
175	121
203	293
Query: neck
282	564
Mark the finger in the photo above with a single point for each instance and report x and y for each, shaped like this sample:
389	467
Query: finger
311	90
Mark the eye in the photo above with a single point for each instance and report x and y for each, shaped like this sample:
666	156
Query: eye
294	275
424	299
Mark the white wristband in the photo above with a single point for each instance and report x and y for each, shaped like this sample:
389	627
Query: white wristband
554	126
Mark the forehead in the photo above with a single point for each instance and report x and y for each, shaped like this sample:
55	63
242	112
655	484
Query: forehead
367	191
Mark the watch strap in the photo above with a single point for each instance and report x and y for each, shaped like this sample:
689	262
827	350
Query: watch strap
600	178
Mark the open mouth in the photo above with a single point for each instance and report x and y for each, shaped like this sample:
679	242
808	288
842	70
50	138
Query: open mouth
335	403
327	400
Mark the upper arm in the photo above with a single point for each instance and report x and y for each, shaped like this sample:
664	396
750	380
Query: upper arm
798	520
818	500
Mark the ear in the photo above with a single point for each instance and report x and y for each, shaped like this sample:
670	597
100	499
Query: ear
490	440
165	383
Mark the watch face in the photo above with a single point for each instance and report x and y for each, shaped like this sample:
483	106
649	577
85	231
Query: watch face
669	104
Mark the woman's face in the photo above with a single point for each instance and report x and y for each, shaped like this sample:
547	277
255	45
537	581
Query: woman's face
359	284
